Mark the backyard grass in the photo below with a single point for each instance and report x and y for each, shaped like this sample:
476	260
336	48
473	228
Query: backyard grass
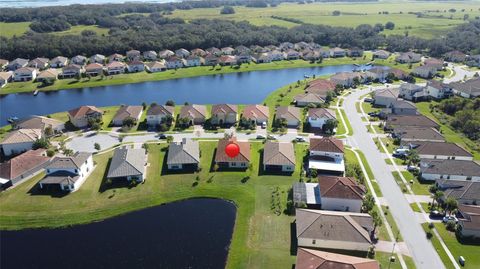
10	29
438	247
392	223
78	29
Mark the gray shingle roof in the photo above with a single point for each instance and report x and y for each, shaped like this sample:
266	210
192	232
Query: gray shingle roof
74	161
186	152
467	190
127	162
450	167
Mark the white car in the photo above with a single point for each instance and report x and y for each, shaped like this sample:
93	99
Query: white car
264	125
300	139
448	218
261	137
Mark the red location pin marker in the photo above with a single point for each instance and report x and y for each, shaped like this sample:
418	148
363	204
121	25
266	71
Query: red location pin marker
232	150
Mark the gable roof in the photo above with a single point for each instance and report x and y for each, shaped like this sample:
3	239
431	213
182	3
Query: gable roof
460	189
93	66
39	122
449	167
127	162
193	111
418	133
440	148
155	64
22	136
328	144
387	93
160	110
185	152
278	153
322	113
128	111
316	259
309	98
470	87
334	225
340	187
23	163
410	120
115	64
49	73
402	104
255	112
289	112
69	162
224	108
83	110
221	155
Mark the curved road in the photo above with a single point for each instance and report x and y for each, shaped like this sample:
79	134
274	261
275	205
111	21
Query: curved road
422	251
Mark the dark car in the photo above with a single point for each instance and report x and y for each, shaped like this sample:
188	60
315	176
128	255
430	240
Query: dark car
162	136
368	100
373	114
435	214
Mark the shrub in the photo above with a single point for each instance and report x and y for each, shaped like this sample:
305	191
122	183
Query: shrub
227	10
97	146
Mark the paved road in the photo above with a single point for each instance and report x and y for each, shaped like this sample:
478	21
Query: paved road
460	73
422	251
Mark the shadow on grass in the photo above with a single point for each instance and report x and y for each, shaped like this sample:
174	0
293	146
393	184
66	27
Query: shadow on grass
53	191
293	238
116	183
189	169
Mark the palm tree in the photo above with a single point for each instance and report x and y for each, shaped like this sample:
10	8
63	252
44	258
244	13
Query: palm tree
437	195
412	157
451	204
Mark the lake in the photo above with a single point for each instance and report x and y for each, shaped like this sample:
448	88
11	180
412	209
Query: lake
194	233
235	88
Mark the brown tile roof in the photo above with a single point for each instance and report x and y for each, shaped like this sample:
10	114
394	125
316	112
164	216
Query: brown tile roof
471	216
316	259
408	133
115	64
255	111
388	92
128	111
340	187
83	110
22	136
243	156
322	113
49	73
278	153
93	66
410	120
225	108
328	144
39	122
289	112
23	163
6	75
160	110
309	98
193	111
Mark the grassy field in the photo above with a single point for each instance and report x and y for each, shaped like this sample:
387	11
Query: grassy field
352	14
77	30
10	29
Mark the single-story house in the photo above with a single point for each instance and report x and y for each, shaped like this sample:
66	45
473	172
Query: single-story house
260	58
292	55
80	116
19	141
256	113
275	55
79	60
338	52
42	123
135	66
198	52
385	97
305	99
23	166
341	193
439	64
150	55
455	56
72	70
97	58
227	60
224	114
182	53
5	78
156	66
183	155
49	74
317	117
128	164
68	173
156	114
39	63
214	51
115	58
408	57
16	64
58	62
433	169
469	221
114	68
398	121
244	57
165	54
440	150
355	52
467	89
381	54
334	230
241	161
124	112
316	259
211	59
94	69
465	192
293	115
279	157
197	114
24	74
402	107
327	156
408	134
133	55
425	71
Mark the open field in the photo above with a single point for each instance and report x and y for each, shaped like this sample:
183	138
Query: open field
352	15
77	30
10	29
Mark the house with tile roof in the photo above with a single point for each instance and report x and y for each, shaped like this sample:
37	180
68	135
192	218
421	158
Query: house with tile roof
150	55
135	66
399	121
48	74
16	64
409	134
24	166
5	78
124	112
97	58
164	54
316	259
19	141
385	97
279	157
79	60
58	62
224	114
196	114
128	164
157	114
184	155
94	69
256	113
465	192
381	54
116	57
25	74
408	57
115	68
305	99
292	115
402	107
439	150
433	169
133	55
467	89
42	123
72	70
327	156
80	116
317	117
341	193
156	66
68	173
334	230
469	221
241	161
39	63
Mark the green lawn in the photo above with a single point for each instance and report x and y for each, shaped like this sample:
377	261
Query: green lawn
396	160
419	187
399	181
341	131
392	223
415	207
10	29
367	107
468	251
77	30
384	259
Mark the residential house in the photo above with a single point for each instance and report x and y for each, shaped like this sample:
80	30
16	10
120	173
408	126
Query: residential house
19	141
355	52
315	259
79	60
114	68
279	157
292	55
311	55
440	150
3	64
50	74
433	169
125	112
385	97
346	79
408	58
244	57
259	49
175	62
59	62
165	54
425	71
80	116
198	52
211	60
214	51
337	52
398	74
377	74
400	121
193	60
411	92
135	66
38	63
97	58
196	114
473	60
292	115
115	58
381	54
133	55
150	55
320	87
343	231
276	55
317	117
68	173
227	60
305	99
467	89
22	167
128	164
438	64
241	161
183	155
94	69
302	45
327	156
324	52
24	74
227	51
437	90
72	70
5	78
469	221
42	123
341	193
402	107
156	66
465	192
157	114
260	58
182	53
286	46
224	114
16	64
455	56
408	134
257	114
241	49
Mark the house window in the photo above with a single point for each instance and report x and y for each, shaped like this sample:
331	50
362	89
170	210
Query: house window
76	170
233	164
48	171
314	241
453	157
469	178
243	164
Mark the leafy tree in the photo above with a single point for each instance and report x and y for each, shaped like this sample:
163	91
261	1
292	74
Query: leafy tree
41	143
49	131
170	103
377	220
329	126
436	196
96	146
183	123
68	152
368	202
389	25
412	157
451	204
129	122
227	10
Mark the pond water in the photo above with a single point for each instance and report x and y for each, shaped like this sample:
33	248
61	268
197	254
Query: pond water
194	233
234	88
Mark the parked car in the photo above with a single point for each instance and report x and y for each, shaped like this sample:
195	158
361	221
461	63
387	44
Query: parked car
373	114
368	100
412	168
264	125
300	139
400	153
461	260
436	214
261	137
271	137
162	136
448	218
